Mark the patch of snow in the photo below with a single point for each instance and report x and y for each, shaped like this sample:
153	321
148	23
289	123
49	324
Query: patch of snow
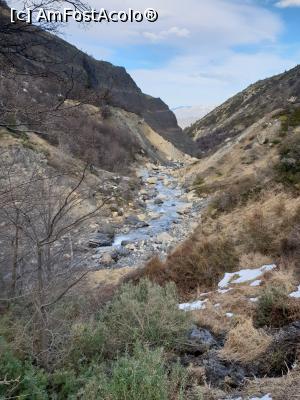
223	291
253	299
217	305
266	397
229	315
204	294
296	294
244	275
256	283
196	305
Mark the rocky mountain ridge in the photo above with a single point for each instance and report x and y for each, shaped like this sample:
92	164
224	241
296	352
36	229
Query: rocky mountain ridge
229	120
50	74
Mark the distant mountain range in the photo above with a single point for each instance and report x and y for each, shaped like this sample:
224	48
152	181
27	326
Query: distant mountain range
187	115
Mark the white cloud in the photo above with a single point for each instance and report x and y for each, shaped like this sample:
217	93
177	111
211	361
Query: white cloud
214	22
197	80
174	31
288	3
201	66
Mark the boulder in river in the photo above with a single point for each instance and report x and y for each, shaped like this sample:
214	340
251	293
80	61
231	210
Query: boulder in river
184	209
142	217
135	221
101	240
164	237
152	180
158	201
154	215
107	229
106	259
122	252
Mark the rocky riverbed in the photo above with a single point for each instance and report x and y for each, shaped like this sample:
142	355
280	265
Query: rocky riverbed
165	215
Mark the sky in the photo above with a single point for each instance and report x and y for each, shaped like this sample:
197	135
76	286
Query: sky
198	52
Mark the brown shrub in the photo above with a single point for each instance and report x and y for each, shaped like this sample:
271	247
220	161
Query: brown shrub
272	232
201	263
194	264
290	247
258	234
83	134
239	193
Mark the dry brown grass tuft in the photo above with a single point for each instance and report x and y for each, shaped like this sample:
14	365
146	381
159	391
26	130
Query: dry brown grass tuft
244	343
283	278
105	277
254	260
286	387
212	318
267	227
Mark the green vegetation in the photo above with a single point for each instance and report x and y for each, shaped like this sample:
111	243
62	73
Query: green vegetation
289	119
119	353
18	377
141	376
288	168
275	308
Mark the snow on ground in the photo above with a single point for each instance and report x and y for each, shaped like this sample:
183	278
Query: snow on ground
253	299
244	275
266	397
223	291
196	305
229	315
296	294
256	283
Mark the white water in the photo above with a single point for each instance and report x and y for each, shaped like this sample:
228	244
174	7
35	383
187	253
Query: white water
167	210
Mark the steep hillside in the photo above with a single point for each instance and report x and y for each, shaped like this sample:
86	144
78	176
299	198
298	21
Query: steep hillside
238	274
47	73
247	107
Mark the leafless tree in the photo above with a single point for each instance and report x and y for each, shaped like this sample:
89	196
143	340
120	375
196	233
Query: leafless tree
39	213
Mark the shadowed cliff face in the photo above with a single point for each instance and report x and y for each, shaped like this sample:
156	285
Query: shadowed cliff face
39	52
244	109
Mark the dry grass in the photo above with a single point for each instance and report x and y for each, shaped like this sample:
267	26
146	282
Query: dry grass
286	387
284	278
267	226
244	343
254	260
212	318
106	277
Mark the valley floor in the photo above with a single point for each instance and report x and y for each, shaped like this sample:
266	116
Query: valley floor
185	286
